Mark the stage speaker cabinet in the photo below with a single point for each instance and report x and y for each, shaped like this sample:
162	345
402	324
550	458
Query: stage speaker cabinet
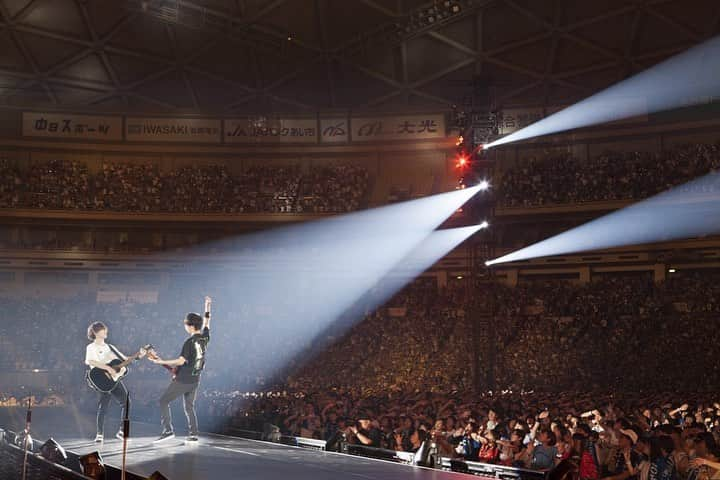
53	452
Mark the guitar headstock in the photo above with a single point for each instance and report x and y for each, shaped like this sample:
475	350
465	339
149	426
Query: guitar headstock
151	353
145	350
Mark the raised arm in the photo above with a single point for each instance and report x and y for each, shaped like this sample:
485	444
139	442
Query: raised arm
170	363
208	307
702	461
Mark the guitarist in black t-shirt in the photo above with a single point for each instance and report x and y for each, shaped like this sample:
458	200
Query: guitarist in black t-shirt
189	365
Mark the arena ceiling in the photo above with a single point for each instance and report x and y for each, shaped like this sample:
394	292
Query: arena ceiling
259	56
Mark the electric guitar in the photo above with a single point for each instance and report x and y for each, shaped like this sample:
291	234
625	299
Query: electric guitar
104	382
152	354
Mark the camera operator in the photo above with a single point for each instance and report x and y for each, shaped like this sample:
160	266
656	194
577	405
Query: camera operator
364	432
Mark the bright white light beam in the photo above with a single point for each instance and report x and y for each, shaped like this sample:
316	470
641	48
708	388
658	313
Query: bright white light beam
438	244
683	80
311	275
687	211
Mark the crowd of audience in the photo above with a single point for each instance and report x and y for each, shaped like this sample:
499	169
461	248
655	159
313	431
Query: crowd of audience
57	185
329	186
405	372
563	179
134	187
606	435
420	340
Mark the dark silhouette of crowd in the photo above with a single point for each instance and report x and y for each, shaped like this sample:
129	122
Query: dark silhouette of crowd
143	187
564	179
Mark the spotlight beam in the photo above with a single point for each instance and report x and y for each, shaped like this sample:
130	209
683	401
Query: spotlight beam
685	79
310	276
423	256
687	211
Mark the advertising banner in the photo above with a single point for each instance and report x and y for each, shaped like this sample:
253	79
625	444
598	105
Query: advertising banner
278	130
406	127
76	127
201	130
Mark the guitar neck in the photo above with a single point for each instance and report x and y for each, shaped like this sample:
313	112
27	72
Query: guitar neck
128	361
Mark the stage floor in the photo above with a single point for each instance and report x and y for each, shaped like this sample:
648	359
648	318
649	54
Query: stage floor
215	456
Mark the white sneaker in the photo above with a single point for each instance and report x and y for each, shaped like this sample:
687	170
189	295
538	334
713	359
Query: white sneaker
98	438
119	435
164	437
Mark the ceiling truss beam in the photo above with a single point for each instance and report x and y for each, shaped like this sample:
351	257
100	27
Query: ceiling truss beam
248	31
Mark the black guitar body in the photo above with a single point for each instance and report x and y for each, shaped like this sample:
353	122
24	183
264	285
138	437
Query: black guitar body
101	381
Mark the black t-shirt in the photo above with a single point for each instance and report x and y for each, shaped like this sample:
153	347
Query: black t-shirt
193	351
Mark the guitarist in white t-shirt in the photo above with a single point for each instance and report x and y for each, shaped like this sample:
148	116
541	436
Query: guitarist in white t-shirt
98	354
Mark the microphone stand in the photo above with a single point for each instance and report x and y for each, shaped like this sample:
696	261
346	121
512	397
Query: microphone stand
126	433
28	418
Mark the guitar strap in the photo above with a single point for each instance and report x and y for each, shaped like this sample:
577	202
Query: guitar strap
117	354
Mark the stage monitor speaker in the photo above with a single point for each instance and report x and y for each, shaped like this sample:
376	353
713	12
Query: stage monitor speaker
52	451
157	476
92	466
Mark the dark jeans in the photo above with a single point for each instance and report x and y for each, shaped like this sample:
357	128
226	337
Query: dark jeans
119	393
174	390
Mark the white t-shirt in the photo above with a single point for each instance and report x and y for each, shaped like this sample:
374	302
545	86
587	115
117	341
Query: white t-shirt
99	353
